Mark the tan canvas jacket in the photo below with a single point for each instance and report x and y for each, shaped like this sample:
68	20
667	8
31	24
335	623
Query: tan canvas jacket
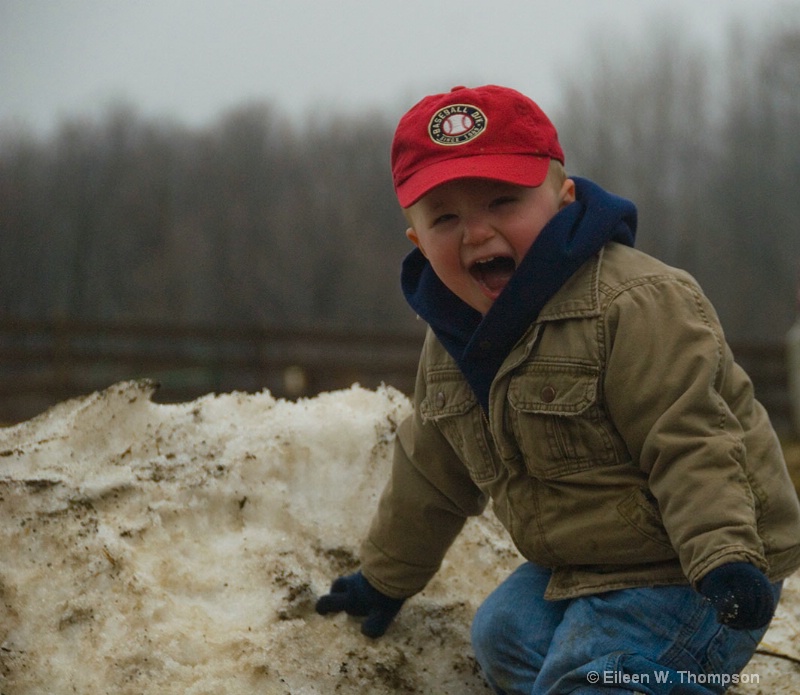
623	446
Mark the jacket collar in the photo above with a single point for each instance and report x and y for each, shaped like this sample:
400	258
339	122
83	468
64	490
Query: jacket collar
579	296
479	344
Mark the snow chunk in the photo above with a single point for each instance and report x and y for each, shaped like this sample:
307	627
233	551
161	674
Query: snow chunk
181	548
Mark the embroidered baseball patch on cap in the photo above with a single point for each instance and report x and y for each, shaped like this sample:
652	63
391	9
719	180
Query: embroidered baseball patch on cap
456	124
486	132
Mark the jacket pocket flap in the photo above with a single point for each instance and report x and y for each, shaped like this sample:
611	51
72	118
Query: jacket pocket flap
554	389
447	394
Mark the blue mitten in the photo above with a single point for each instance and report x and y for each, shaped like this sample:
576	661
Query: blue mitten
356	596
741	594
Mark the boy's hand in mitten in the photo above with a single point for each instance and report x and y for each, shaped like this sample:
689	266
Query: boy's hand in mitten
356	596
741	594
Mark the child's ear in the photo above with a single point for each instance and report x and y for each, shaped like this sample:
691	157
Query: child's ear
567	193
414	239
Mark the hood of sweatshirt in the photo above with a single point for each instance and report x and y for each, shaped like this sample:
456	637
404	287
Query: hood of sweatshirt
480	343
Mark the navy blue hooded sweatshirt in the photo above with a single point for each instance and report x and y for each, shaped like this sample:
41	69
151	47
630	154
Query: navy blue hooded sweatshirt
480	343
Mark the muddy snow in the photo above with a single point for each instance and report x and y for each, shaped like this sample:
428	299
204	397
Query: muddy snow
151	548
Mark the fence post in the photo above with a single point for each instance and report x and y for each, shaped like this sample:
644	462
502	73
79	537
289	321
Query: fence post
793	367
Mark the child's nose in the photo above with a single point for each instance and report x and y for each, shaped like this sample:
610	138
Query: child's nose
476	230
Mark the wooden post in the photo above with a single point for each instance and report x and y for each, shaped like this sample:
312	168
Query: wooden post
793	368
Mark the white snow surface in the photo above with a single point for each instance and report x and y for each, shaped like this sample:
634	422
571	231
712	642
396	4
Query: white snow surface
150	548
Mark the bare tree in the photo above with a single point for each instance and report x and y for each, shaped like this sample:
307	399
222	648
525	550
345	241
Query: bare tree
261	220
641	122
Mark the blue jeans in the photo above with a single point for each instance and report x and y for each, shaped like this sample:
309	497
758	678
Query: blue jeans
651	640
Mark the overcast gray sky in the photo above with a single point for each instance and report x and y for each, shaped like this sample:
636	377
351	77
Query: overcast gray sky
192	59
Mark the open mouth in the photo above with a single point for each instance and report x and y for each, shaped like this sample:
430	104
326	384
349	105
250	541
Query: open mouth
493	273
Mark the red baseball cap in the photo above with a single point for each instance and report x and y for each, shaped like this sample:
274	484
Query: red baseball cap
487	132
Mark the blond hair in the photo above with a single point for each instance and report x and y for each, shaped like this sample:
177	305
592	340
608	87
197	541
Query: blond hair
556	174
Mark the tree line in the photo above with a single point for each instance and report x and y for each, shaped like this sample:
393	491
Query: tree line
250	221
709	148
259	219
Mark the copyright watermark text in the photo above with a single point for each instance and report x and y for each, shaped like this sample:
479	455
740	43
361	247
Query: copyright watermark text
671	677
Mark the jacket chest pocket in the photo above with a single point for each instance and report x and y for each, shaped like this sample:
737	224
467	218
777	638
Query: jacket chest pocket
558	421
452	406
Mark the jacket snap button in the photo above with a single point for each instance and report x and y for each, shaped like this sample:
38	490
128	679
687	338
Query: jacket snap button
440	399
548	394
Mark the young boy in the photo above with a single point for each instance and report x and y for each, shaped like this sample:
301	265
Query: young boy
588	390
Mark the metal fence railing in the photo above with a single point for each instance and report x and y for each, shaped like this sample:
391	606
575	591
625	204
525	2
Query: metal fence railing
44	362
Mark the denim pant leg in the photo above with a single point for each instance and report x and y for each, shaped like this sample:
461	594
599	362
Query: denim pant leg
513	627
653	640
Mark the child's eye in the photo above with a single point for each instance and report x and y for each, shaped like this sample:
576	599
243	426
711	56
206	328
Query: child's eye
442	219
502	200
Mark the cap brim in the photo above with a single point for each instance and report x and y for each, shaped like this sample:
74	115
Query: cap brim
519	169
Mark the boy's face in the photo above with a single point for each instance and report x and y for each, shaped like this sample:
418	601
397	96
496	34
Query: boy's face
475	232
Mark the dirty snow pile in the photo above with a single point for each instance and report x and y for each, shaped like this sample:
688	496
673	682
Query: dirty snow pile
180	549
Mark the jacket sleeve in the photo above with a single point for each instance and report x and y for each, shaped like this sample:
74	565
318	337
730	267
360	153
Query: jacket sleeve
668	390
423	508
